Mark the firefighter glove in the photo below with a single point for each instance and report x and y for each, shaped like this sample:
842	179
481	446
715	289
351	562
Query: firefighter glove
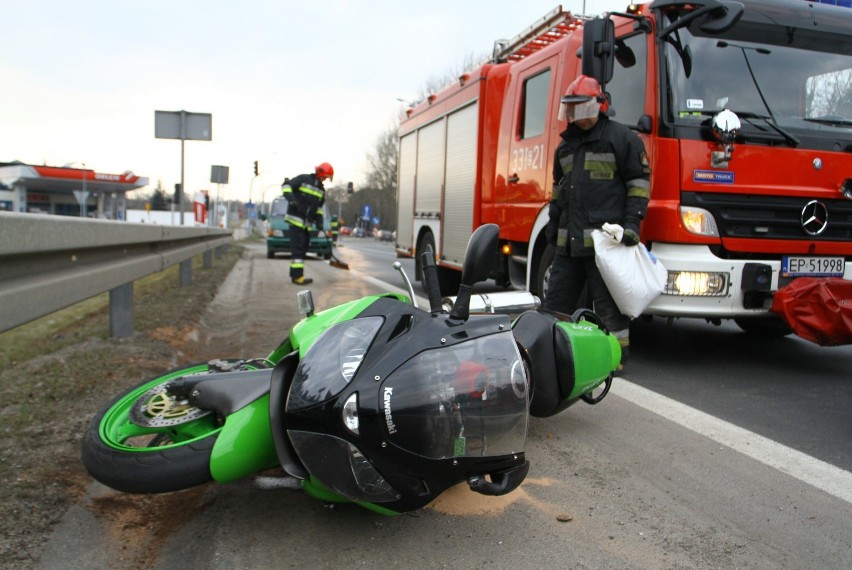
630	237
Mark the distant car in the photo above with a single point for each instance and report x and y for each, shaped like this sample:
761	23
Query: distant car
345	230
278	238
359	232
385	235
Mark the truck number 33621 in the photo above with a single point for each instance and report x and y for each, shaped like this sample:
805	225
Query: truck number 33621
530	158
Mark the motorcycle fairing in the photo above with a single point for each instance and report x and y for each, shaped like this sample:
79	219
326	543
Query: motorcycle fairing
405	333
550	346
244	445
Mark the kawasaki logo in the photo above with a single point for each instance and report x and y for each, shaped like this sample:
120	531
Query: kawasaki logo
388	416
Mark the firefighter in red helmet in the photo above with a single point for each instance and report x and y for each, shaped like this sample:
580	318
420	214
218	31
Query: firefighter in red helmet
601	174
305	197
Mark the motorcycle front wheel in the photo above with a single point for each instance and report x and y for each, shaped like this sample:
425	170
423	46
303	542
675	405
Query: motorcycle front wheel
147	441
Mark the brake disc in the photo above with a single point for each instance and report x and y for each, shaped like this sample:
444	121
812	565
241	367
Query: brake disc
157	408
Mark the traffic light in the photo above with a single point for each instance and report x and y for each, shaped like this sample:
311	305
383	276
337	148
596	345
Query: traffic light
349	188
255	168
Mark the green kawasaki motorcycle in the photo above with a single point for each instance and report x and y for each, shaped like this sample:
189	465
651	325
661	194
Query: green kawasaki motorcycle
375	401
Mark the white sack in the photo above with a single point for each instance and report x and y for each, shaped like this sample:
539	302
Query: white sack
633	276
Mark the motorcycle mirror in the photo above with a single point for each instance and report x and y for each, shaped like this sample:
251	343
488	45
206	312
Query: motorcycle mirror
477	266
479	256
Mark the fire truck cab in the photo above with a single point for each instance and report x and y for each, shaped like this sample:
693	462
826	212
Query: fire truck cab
745	110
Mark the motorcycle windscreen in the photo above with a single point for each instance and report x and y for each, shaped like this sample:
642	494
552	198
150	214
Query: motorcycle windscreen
465	400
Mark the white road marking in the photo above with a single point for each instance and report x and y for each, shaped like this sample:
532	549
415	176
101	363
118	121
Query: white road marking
822	475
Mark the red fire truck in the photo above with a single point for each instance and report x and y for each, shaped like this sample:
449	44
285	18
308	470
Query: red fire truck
745	109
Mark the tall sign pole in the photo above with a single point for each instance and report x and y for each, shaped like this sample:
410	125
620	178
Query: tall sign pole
185	126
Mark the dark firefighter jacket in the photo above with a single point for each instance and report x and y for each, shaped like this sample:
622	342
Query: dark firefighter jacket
600	175
305	196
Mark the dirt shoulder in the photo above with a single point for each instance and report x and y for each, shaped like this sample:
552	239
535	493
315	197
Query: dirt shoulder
56	372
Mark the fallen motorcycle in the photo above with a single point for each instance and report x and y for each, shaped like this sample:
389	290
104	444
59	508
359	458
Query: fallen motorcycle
374	401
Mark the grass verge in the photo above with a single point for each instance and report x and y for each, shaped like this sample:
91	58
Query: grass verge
57	371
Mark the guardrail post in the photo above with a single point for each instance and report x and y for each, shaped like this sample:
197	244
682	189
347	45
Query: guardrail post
208	259
121	310
186	273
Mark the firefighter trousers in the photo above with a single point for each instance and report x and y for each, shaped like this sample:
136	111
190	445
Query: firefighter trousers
299	239
568	275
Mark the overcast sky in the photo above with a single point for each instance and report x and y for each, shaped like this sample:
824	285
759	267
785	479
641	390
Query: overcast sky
290	84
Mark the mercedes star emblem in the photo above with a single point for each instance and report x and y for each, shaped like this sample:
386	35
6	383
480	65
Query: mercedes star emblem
814	217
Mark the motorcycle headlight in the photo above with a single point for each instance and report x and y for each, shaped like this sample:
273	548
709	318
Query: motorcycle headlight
342	467
332	362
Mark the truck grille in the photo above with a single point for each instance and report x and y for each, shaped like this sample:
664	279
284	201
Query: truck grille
771	217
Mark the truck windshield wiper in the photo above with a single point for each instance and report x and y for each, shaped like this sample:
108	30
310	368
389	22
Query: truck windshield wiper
830	121
770	120
789	138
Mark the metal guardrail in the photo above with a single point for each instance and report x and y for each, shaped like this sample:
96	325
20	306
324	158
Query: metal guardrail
50	262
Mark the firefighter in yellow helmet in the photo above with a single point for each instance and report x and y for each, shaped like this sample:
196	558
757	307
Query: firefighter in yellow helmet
305	197
601	174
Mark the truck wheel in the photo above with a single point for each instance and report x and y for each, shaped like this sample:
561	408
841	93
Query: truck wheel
269	255
768	327
543	274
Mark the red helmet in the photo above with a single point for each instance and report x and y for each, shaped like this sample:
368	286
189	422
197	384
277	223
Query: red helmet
583	89
325	170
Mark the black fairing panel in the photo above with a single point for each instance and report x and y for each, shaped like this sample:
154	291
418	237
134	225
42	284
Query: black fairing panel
552	376
406	332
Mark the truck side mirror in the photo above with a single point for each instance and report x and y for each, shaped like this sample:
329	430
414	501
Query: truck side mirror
599	49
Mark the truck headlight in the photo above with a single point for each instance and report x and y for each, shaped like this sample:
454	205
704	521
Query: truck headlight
698	221
697	284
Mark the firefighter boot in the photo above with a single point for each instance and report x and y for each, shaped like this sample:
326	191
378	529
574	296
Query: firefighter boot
625	354
297	273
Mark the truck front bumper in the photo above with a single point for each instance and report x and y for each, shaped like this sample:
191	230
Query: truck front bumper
704	285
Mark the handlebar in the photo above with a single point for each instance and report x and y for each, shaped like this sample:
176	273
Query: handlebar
430	280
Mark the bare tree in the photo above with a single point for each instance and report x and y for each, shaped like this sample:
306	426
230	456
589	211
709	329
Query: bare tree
383	161
437	82
830	94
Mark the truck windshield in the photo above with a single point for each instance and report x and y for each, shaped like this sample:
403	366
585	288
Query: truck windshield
279	207
800	89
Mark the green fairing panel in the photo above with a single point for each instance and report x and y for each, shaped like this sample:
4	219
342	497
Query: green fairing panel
306	331
317	490
245	443
596	355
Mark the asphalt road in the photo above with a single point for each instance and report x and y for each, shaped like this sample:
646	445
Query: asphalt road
639	481
789	390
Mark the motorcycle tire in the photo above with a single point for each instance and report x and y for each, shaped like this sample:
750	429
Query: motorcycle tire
134	458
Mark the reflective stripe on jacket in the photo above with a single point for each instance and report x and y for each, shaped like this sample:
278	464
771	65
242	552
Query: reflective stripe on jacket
600	175
305	197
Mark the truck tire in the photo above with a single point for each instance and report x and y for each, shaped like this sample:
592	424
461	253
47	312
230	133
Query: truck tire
543	271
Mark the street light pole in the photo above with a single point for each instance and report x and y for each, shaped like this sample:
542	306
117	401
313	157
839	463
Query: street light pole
83	204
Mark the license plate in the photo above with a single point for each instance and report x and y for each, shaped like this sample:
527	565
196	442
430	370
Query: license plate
795	266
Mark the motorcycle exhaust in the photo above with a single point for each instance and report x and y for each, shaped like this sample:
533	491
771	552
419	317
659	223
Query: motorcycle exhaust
506	303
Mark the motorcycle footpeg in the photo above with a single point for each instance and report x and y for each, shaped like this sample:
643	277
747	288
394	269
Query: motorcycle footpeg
501	483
